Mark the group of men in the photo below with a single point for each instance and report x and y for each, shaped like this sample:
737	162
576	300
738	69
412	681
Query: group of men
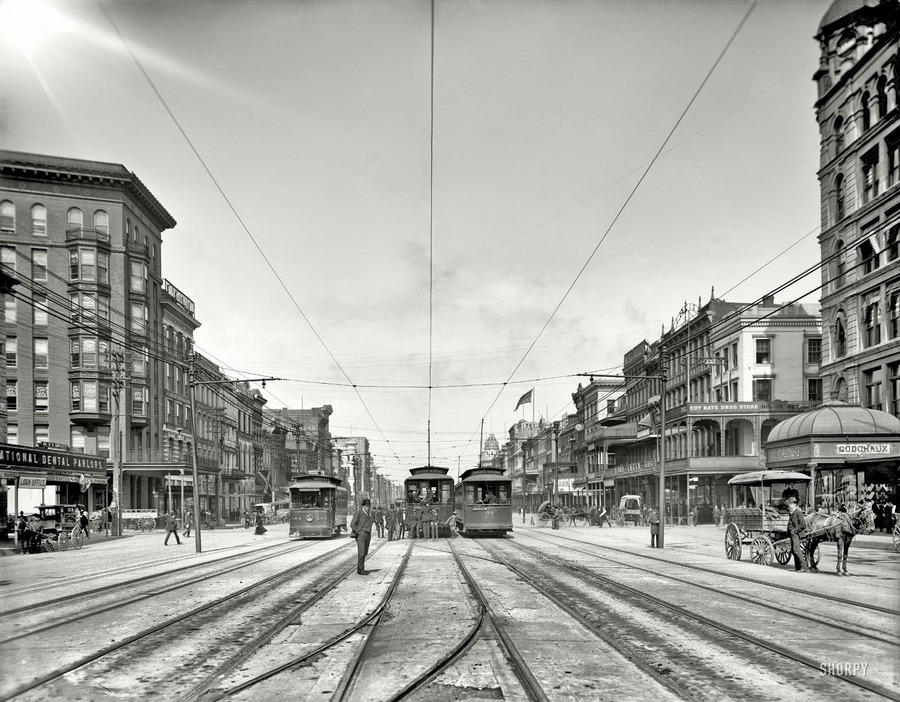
420	520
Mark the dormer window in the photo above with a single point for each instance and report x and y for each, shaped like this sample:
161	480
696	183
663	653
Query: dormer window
846	43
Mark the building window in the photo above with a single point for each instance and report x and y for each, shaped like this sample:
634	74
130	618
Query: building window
763	351
11	348
894	376
870	176
101	222
762	390
12	434
892	248
894	312
41	396
866	111
170	412
869	256
12	395
881	97
41	434
139	316
138	277
140	359
83	264
734	356
814	389
85	353
840	338
103	399
814	351
7	216
74	220
893	159
84	396
873	323
872	383
839	197
8	258
170	382
138	399
76	438
41	353
9	310
41	311
38	220
39	264
838	135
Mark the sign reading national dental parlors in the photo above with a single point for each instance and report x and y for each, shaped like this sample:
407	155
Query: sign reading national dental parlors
43	459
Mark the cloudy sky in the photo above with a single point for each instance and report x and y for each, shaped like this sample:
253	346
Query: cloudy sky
352	213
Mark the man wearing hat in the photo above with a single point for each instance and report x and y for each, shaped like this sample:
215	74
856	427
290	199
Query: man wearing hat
361	530
797	529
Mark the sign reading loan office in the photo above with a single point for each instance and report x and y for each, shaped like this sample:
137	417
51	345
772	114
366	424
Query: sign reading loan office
48	459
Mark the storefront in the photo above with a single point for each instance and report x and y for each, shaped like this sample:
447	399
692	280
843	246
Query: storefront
851	453
33	476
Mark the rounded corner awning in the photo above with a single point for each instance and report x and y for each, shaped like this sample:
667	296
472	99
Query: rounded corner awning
835	432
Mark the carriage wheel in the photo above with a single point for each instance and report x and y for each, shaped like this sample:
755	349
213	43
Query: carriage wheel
78	539
811	556
581	520
543	520
896	538
762	552
733	542
783	552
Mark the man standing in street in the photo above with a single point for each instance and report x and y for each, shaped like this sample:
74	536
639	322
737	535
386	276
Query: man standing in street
361	530
171	528
797	530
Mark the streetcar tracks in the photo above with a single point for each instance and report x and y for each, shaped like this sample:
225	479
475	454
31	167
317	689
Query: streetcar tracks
86	656
650	622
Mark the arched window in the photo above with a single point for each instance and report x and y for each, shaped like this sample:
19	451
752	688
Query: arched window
843	394
137	234
128	227
101	222
7	216
838	135
74	220
881	96
839	337
38	220
894	314
866	112
840	210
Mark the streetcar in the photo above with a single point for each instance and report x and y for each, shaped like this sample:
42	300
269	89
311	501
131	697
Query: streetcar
319	506
430	484
482	502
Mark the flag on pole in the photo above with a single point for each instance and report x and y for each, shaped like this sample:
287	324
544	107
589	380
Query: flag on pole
525	399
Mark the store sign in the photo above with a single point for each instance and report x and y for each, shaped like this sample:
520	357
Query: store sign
29	481
27	457
873	450
565	485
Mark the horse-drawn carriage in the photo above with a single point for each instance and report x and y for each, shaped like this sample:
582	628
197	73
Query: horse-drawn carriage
764	523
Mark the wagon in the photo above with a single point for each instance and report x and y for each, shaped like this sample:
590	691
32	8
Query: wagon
764	524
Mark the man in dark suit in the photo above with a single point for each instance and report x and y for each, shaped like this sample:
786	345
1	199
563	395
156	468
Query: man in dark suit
797	530
361	529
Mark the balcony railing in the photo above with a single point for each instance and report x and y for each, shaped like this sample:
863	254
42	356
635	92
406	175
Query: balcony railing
81	234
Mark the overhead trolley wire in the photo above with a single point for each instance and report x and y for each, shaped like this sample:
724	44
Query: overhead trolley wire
234	211
628	199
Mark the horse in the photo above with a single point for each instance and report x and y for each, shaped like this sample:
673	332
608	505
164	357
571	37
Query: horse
839	527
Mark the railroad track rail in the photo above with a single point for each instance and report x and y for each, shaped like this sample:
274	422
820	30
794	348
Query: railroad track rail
93	662
645	623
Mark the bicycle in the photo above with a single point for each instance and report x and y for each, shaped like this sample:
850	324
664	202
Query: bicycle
76	536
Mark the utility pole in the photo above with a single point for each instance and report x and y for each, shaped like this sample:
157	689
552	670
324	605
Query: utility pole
663	376
118	385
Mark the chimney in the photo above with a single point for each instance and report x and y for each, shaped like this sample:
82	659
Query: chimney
768	301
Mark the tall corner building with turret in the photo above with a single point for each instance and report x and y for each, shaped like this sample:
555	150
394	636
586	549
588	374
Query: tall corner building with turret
858	111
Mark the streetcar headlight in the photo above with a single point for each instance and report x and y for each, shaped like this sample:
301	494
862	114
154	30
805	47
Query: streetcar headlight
309	517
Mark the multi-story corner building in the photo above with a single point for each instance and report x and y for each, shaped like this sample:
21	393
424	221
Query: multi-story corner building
308	438
734	371
858	114
523	473
84	330
356	464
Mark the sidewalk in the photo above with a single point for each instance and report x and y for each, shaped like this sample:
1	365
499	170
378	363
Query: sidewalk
704	535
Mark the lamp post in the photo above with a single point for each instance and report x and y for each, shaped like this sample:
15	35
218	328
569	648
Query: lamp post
554	489
663	376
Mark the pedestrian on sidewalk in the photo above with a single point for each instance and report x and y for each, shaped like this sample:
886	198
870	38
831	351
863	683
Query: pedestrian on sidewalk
171	528
653	518
797	530
260	526
188	522
602	517
379	521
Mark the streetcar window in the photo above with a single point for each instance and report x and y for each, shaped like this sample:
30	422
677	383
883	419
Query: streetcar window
445	492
